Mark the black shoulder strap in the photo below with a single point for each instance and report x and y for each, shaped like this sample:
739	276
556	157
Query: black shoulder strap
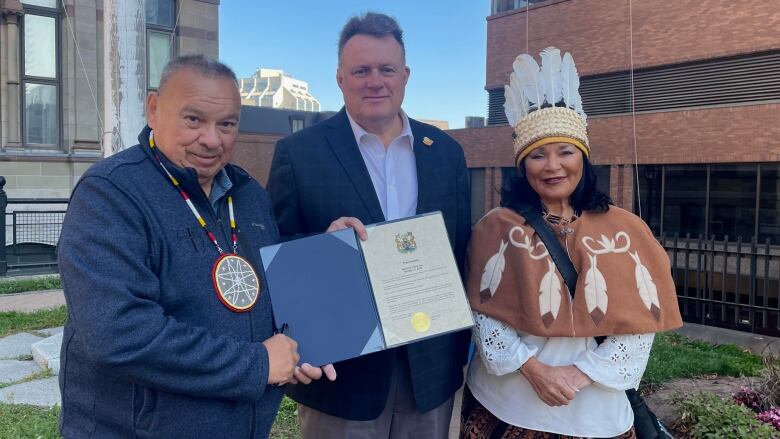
558	254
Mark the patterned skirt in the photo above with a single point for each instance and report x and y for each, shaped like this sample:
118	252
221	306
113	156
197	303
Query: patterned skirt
476	422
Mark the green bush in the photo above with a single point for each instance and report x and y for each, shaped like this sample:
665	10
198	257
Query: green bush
708	416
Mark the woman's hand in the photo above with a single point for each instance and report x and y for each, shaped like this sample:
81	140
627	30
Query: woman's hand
551	384
575	377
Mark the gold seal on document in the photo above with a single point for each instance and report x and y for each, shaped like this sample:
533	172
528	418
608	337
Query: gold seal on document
421	322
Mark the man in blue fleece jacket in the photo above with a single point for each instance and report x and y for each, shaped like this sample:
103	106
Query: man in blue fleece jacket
169	335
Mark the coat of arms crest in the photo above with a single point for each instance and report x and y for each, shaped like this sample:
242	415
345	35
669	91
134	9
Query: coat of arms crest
405	242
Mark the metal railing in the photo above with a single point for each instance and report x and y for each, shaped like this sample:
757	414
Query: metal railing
729	284
29	233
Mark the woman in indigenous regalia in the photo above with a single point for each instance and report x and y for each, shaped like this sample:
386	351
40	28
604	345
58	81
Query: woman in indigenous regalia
555	363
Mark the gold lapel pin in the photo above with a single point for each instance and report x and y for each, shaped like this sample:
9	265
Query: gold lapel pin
427	141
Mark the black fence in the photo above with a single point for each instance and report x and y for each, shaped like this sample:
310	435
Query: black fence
729	284
29	229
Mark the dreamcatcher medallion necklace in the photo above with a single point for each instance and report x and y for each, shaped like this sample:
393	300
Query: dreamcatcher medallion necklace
235	281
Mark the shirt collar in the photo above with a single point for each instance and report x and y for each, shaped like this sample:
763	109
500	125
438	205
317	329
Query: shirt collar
359	132
219	187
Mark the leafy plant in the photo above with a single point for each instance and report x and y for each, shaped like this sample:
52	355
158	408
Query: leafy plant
749	398
708	416
771	417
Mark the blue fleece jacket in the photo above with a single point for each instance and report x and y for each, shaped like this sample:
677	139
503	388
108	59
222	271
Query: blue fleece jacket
149	351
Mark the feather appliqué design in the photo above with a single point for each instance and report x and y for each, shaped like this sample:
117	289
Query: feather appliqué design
595	292
549	295
647	289
491	274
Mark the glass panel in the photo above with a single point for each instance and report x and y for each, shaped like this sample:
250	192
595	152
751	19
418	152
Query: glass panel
158	54
40	46
684	200
296	124
650	193
44	3
769	207
602	178
160	12
40	113
733	201
477	176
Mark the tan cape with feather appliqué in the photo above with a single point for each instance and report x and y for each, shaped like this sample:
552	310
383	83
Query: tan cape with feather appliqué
624	285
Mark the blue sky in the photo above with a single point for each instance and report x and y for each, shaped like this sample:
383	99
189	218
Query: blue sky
445	48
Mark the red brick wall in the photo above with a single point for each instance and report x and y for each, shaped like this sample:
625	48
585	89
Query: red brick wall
748	133
596	32
254	153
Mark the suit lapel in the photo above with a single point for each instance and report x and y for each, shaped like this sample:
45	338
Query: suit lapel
342	142
425	159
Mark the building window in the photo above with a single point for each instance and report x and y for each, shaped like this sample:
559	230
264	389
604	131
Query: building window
297	123
160	23
40	74
722	202
507	5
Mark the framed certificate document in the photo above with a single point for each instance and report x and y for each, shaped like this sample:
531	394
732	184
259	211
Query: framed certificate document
341	297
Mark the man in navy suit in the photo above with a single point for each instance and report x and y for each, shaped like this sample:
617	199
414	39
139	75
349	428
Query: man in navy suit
366	164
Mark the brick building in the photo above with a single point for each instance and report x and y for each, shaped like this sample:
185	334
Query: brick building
707	106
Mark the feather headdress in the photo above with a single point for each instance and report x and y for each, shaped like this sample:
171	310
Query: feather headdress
543	104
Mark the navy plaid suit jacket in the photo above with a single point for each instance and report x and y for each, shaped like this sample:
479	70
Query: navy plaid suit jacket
318	175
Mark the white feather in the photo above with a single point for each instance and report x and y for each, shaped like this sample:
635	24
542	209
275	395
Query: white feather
648	292
519	94
494	268
550	293
595	290
570	80
511	106
527	71
550	77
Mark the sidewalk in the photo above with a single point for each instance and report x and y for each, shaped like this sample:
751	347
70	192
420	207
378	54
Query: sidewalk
16	350
32	301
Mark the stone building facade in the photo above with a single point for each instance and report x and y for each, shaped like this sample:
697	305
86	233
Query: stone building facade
74	76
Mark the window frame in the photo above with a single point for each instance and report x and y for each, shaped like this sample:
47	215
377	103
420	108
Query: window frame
159	29
56	14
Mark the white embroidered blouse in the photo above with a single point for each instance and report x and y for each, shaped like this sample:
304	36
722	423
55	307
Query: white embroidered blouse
599	410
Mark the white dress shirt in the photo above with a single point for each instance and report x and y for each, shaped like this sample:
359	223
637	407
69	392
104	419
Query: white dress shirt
393	170
599	410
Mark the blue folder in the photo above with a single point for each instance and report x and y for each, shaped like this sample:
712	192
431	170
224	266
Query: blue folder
339	320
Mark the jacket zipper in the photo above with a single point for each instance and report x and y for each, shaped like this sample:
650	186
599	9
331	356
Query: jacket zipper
215	215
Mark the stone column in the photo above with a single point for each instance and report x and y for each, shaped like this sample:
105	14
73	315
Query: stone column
124	70
11	11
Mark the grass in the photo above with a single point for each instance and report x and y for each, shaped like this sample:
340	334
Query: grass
28	422
10	286
12	322
286	423
675	356
41	374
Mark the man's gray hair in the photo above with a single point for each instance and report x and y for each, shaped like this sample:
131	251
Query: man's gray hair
200	63
373	24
